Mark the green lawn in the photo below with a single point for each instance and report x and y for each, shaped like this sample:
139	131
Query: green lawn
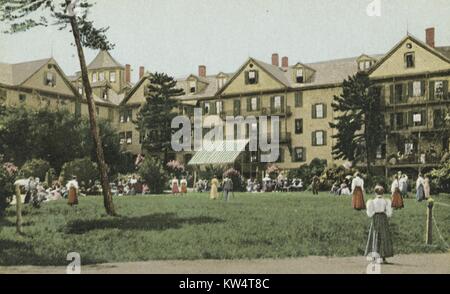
194	227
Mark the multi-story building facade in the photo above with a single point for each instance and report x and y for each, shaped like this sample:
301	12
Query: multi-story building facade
413	77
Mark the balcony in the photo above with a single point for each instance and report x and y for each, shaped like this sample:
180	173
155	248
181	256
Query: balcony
413	159
277	111
416	101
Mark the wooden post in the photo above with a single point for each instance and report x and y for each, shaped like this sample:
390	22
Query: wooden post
429	236
18	210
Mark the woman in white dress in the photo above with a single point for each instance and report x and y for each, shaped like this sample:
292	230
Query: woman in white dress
358	192
420	191
379	240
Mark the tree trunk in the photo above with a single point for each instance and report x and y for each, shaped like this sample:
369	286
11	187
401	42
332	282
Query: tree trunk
107	197
18	210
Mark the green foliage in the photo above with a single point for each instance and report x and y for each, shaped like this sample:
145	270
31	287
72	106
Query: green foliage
84	169
360	128
8	173
336	174
21	16
36	168
57	137
440	177
153	173
307	172
210	171
239	184
155	117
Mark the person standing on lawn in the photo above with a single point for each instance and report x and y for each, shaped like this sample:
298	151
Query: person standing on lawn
183	184
214	194
379	240
175	184
397	200
404	185
73	188
426	188
358	192
315	185
420	193
227	188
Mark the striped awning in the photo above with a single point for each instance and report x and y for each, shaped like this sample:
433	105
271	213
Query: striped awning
219	152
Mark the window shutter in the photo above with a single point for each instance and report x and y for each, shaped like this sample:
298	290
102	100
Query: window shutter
258	103
404	94
324	110
410	122
246	78
445	90
324	137
298	99
392	121
410	89
304	154
272	104
391	94
249	104
213	107
431	90
282	104
313	141
237	107
54	80
405	119
256	76
424	117
313	111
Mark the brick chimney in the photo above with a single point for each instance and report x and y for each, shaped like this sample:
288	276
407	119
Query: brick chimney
128	73
202	71
141	72
275	59
285	61
430	35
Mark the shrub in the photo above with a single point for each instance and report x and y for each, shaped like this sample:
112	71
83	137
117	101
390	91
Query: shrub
307	172
273	171
36	168
440	178
153	174
84	169
210	171
8	173
175	168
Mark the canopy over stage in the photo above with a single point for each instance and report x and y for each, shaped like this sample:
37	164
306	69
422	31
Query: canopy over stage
219	152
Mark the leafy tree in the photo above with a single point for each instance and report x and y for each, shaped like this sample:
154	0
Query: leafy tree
8	173
441	177
153	173
35	168
155	117
23	15
360	124
84	169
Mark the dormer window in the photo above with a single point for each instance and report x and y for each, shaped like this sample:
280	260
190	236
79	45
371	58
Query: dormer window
299	75
50	79
112	76
105	95
221	82
101	76
94	77
364	65
252	77
192	87
409	60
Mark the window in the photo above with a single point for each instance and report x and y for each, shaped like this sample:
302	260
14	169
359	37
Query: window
439	89
112	76
409	148
299	75
94	77
192	86
50	79
105	95
438	118
122	138
319	111
418	118
126	115
252	77
299	154
101	76
129	138
80	90
277	106
237	107
409	60
319	138
298	99
299	126
400	93
251	129
361	66
417	89
206	108
22	98
221	82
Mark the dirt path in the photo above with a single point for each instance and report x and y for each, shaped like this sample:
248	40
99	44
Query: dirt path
405	264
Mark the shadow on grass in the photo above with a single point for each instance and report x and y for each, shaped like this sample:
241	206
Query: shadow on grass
18	253
157	222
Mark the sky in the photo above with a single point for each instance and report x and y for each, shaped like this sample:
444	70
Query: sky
175	36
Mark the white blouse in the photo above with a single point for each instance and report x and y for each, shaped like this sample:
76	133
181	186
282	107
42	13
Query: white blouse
395	185
420	181
379	205
357	182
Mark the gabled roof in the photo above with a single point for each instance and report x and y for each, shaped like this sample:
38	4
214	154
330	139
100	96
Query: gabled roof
17	74
415	40
104	60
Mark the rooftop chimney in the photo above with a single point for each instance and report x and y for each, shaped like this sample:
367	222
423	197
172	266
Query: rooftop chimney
128	73
285	61
202	71
430	33
275	59
141	72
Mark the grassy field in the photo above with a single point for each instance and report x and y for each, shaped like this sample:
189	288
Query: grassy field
250	226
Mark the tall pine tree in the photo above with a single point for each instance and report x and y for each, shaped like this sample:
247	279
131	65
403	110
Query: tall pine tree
360	125
155	117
